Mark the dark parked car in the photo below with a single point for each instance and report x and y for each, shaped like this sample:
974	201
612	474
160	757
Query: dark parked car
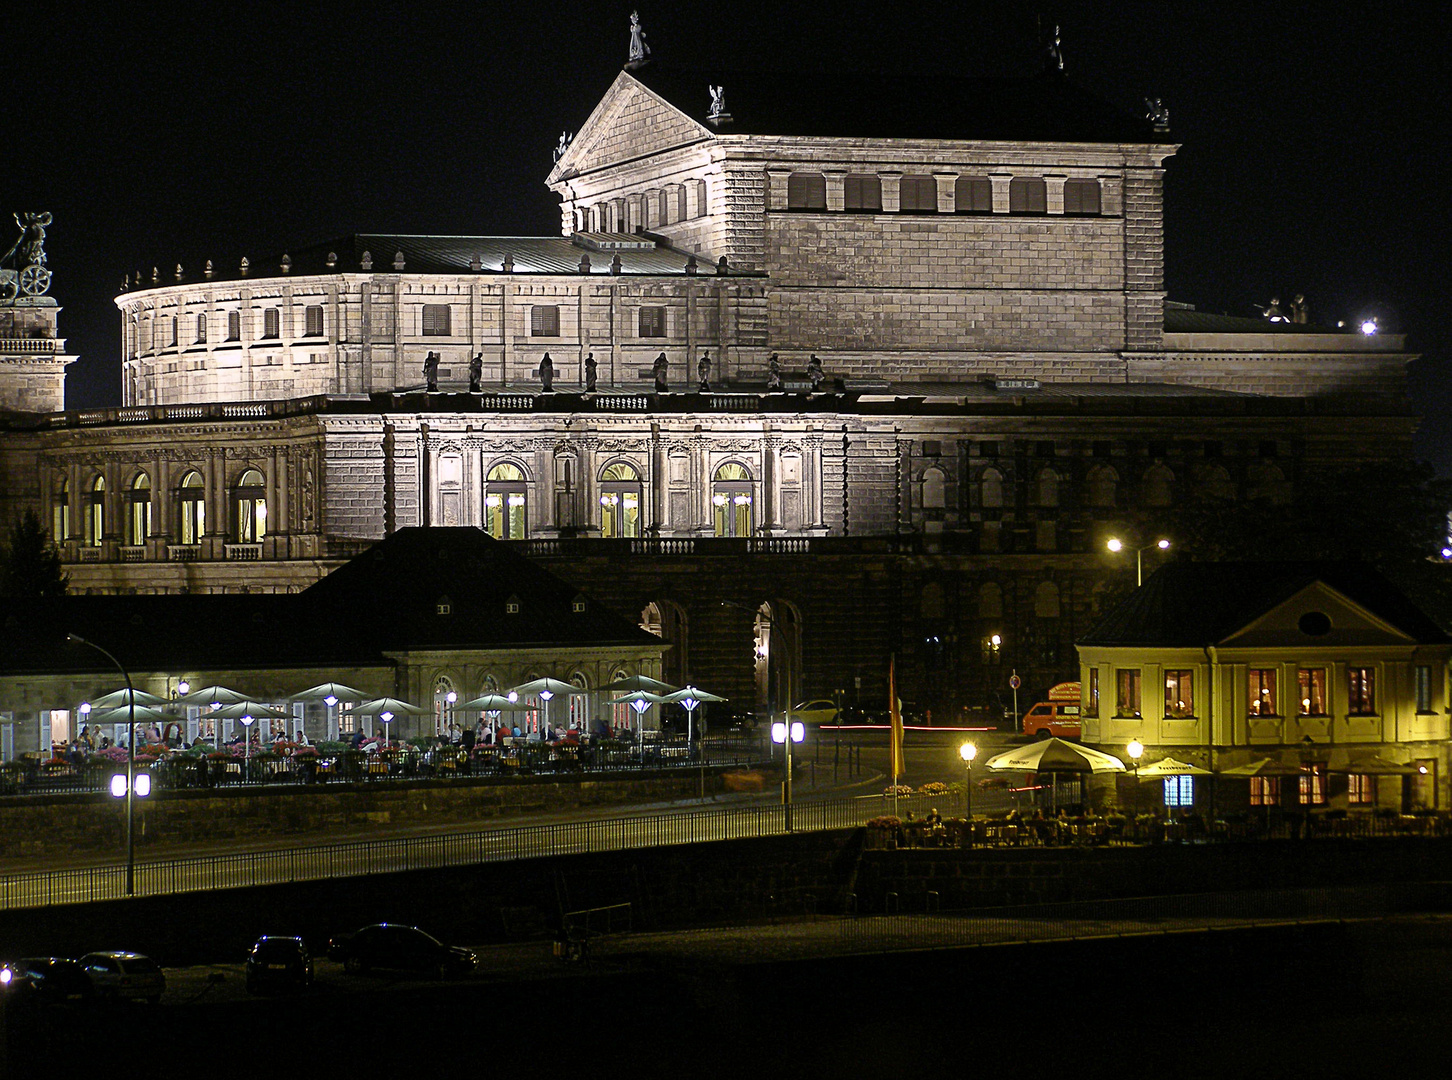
45	980
279	963
127	975
389	946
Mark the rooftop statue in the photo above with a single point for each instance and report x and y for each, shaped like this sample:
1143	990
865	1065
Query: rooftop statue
1055	50
1157	113
22	268
563	144
639	50
718	101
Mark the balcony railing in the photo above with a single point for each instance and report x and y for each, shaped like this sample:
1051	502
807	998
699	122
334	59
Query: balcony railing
133	554
183	552
13	345
243	552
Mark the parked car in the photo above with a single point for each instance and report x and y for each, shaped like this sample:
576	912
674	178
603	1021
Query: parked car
820	711
45	980
390	946
279	963
129	975
1058	717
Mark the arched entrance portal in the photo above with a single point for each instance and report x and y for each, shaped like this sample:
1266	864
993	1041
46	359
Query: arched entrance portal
667	620
778	630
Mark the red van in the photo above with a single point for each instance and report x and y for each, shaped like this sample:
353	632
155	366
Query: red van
1059	716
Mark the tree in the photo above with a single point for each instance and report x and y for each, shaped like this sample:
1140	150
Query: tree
30	564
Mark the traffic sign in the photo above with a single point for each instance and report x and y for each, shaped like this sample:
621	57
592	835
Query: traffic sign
1014	682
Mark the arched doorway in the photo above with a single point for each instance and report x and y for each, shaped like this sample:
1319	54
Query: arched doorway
504	506
731	500
619	501
778	646
667	621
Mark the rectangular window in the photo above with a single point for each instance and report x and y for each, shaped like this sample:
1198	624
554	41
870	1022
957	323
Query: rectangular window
861	193
1313	785
1179	791
653	322
234	326
1179	694
1091	702
1422	676
806	191
271	323
918	195
1360	790
1313	691
1265	791
1360	691
1028	195
1127	686
201	329
544	320
313	318
436	320
1261	689
1081	196
973	195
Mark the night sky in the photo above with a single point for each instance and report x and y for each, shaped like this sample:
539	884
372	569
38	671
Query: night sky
1315	145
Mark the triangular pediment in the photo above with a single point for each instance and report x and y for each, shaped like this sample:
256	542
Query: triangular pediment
630	122
1319	616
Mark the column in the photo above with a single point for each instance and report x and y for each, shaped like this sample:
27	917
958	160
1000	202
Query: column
891	191
1054	188
836	188
947	192
777	178
1000	182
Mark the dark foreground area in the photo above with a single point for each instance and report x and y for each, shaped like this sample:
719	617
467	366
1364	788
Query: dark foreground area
1327	999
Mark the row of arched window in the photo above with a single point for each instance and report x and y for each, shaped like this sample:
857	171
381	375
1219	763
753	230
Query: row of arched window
248	507
919	194
578	711
646	210
168	331
621	499
1101	486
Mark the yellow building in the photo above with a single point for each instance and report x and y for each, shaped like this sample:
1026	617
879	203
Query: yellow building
1326	671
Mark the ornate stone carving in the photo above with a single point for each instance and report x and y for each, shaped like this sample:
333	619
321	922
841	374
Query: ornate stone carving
23	269
639	50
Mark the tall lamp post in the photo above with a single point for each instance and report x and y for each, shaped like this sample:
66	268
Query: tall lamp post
1116	545
1135	750
130	762
968	751
247	747
786	734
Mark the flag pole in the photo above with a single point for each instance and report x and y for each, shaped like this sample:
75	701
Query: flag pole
895	737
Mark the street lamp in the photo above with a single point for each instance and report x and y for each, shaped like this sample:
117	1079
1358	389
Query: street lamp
130	761
386	717
330	701
786	734
247	747
1116	545
1135	750
451	697
968	751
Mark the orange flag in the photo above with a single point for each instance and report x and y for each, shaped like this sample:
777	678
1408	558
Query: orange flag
895	710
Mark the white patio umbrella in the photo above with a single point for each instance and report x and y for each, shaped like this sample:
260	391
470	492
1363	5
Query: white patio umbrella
386	708
639	700
493	703
213	695
1171	767
118	699
690	697
248	711
547	688
1054	756
331	694
123	714
632	683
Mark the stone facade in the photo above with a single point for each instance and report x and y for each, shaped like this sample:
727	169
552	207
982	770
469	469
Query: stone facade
33	359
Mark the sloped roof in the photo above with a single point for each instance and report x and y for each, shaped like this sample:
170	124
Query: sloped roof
1043	108
1190	605
381	602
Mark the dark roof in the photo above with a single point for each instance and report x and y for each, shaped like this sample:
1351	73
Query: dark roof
383	601
1042	108
1190	605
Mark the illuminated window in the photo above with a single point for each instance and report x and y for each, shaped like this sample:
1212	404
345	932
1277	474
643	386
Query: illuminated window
806	191
620	496
973	195
1312	682
1028	195
1361	789
918	195
313	320
138	510
1091	701
544	320
1179	791
436	320
504	503
580	704
1179	694
731	500
1127	692
653	322
193	509
1261	690
1360	691
271	323
1313	785
96	512
250	504
1081	196
60	527
1422	682
861	193
1265	791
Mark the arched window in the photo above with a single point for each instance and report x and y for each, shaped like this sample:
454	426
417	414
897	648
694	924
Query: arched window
990	600
619	501
1028	195
1266	481
806	191
1155	486
1046	600
918	195
60	522
1046	488
861	193
580	703
443	706
193	506
504	502
451	489
1102	485
934	485
138	510
731	500
973	195
932	603
96	512
990	487
250	503
1215	482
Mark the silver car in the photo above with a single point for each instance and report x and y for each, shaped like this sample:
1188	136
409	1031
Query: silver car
117	975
